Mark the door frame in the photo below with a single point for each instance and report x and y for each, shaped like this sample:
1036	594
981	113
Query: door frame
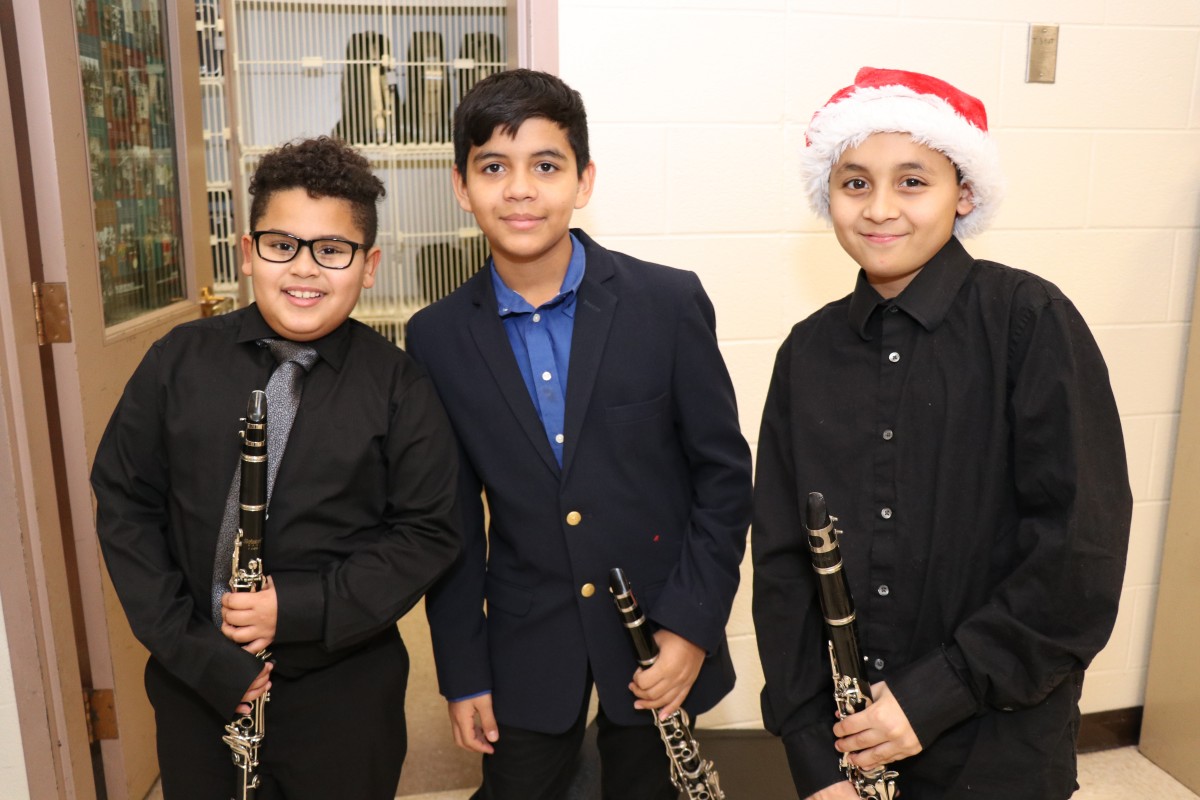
52	414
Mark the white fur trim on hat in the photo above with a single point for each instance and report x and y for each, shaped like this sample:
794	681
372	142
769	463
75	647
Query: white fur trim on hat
929	119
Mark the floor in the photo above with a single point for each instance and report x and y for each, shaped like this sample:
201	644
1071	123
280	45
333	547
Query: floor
1112	775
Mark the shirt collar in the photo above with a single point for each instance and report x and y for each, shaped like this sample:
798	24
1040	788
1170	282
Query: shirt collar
509	302
927	299
331	347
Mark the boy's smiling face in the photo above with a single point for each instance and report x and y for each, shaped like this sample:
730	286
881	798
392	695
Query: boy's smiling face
299	299
893	203
522	190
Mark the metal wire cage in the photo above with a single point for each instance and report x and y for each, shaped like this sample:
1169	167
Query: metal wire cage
385	77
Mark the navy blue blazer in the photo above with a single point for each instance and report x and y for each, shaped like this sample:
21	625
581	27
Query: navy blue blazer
655	479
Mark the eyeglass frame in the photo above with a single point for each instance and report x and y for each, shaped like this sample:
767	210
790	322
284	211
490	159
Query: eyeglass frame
302	243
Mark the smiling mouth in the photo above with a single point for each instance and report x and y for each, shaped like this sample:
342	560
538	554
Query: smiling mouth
303	294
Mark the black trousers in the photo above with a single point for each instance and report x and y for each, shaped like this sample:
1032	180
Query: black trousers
337	732
529	765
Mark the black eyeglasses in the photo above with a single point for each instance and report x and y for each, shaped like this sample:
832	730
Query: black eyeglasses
281	248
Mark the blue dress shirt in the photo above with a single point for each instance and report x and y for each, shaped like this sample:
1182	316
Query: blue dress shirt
541	341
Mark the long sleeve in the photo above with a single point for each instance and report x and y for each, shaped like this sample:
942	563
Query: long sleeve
698	596
130	479
797	700
1055	606
454	606
348	600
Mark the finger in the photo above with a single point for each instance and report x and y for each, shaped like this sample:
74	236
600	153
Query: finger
487	722
257	646
243	708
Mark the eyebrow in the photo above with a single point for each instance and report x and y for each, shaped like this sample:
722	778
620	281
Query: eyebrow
551	152
907	166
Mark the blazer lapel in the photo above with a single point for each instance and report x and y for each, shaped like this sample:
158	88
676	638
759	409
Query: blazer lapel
492	341
594	309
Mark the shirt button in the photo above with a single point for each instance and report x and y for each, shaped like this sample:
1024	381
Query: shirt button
893	357
883	590
879	662
574	518
545	376
559	438
887	435
536	317
587	590
886	513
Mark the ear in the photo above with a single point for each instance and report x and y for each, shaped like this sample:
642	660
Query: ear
966	199
460	189
372	264
587	182
247	255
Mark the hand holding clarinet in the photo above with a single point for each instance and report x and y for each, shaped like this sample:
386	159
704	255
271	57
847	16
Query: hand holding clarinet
872	728
691	774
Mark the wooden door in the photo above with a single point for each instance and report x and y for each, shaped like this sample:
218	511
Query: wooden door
1169	736
112	162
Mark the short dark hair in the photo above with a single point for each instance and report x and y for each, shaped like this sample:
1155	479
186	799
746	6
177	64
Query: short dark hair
505	100
323	167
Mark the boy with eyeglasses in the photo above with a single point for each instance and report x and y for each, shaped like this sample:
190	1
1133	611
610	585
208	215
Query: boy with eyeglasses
360	520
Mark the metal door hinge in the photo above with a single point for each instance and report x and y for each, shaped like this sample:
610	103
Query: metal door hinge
50	312
100	713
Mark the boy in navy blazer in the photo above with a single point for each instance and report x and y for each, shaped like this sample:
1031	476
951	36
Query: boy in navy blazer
595	413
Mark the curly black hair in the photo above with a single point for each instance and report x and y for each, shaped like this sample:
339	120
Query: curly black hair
505	100
324	167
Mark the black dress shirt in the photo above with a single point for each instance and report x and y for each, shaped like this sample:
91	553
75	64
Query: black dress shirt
966	436
360	522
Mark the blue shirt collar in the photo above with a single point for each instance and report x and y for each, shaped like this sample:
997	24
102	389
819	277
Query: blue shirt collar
509	302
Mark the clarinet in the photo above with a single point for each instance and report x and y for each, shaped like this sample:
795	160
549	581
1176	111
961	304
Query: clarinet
692	775
245	733
851	689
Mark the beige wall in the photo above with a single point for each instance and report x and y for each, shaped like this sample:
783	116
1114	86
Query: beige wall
698	109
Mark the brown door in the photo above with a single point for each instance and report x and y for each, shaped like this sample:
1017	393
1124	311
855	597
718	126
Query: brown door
108	136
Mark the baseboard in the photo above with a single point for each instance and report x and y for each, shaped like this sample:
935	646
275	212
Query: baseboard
751	762
1105	730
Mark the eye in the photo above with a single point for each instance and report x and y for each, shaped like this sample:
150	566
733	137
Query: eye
332	247
491	169
912	183
855	184
282	245
545	167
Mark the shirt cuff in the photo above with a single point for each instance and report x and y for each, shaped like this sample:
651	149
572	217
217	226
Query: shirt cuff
933	694
468	696
301	607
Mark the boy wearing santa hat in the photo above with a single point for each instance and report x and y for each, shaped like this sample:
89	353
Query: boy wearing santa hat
958	418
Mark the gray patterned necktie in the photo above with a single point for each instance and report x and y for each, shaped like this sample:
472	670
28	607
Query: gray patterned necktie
283	399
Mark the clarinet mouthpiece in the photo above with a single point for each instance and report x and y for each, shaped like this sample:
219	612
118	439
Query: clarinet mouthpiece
816	516
256	406
618	584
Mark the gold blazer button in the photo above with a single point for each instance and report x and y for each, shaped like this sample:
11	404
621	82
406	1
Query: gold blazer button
574	518
587	590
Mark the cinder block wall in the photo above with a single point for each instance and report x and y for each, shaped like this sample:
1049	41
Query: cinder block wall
698	110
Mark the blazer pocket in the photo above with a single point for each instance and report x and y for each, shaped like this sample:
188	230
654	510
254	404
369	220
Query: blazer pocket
634	412
507	597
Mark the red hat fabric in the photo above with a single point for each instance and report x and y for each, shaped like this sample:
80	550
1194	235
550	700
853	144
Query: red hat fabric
932	111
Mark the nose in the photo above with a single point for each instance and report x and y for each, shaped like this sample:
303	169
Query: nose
305	265
881	205
520	185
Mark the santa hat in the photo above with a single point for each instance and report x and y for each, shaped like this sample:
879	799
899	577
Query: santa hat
936	115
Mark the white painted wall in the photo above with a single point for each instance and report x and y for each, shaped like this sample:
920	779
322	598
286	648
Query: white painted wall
698	109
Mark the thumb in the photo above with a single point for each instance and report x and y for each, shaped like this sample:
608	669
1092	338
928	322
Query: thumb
487	721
